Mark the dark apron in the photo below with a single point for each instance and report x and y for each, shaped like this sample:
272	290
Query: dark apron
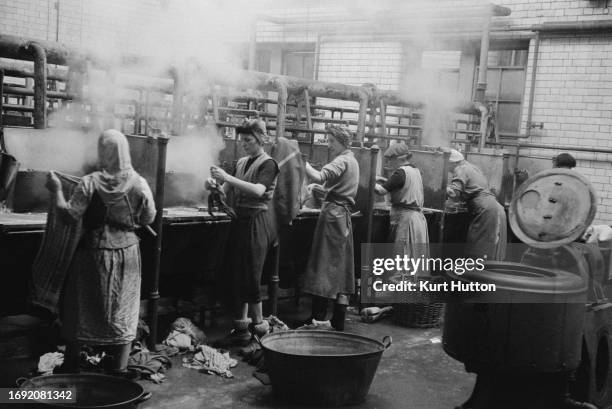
331	266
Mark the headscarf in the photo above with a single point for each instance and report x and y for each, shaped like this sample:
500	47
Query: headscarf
116	175
398	150
342	134
255	127
455	156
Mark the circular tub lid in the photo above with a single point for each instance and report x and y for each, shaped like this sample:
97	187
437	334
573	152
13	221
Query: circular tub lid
553	208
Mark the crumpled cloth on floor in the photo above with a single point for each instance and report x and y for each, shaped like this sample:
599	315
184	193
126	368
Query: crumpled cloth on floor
276	324
150	365
211	361
253	354
179	340
184	334
49	361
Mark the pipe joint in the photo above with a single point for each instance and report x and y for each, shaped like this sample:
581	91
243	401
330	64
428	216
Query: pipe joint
39	55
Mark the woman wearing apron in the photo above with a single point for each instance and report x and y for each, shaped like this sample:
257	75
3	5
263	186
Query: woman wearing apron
102	295
253	232
405	187
486	235
330	273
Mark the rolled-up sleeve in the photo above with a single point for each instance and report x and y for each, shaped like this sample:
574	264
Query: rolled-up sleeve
148	212
458	183
79	201
333	170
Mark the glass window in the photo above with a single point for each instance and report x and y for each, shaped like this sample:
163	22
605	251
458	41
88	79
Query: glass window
505	88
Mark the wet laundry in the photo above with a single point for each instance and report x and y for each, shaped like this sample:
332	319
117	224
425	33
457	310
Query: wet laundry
211	361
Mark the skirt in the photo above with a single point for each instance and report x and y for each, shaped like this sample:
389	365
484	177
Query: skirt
409	233
250	240
102	296
487	233
331	265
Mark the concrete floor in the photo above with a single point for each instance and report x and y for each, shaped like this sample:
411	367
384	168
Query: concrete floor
413	373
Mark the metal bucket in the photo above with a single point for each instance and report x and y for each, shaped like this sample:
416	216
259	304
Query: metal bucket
322	367
91	390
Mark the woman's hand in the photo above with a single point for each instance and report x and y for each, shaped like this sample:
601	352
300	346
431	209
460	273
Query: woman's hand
210	183
381	179
219	174
53	182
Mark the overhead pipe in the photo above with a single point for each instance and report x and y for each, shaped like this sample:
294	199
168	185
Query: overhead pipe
21	70
28	92
602	26
436	13
16	47
40	84
534	69
481	86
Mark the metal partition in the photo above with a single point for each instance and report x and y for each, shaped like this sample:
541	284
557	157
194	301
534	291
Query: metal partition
498	170
434	170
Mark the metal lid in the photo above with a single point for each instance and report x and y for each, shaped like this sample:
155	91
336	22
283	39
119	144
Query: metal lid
553	208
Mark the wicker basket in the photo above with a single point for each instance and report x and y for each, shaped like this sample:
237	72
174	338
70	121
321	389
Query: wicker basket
418	315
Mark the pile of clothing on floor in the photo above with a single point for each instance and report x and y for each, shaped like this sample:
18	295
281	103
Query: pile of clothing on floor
184	337
253	353
187	337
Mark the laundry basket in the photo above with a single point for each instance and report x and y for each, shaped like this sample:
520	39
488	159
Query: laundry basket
418	310
418	315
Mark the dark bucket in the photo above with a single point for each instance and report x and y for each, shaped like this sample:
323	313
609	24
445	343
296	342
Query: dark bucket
322	367
92	391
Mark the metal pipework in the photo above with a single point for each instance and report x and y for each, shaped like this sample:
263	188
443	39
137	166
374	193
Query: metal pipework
281	107
484	119
16	47
40	84
21	70
534	68
153	293
481	87
270	82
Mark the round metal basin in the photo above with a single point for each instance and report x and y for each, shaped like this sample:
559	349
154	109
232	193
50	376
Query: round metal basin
322	367
92	391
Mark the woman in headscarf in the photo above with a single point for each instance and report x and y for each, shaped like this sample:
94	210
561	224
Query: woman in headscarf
330	273
252	234
102	294
405	187
487	232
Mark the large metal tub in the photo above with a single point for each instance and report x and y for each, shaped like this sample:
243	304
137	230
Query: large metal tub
322	367
91	391
532	323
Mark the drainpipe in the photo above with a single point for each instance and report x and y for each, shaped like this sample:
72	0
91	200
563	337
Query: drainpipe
481	87
40	84
484	121
534	69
